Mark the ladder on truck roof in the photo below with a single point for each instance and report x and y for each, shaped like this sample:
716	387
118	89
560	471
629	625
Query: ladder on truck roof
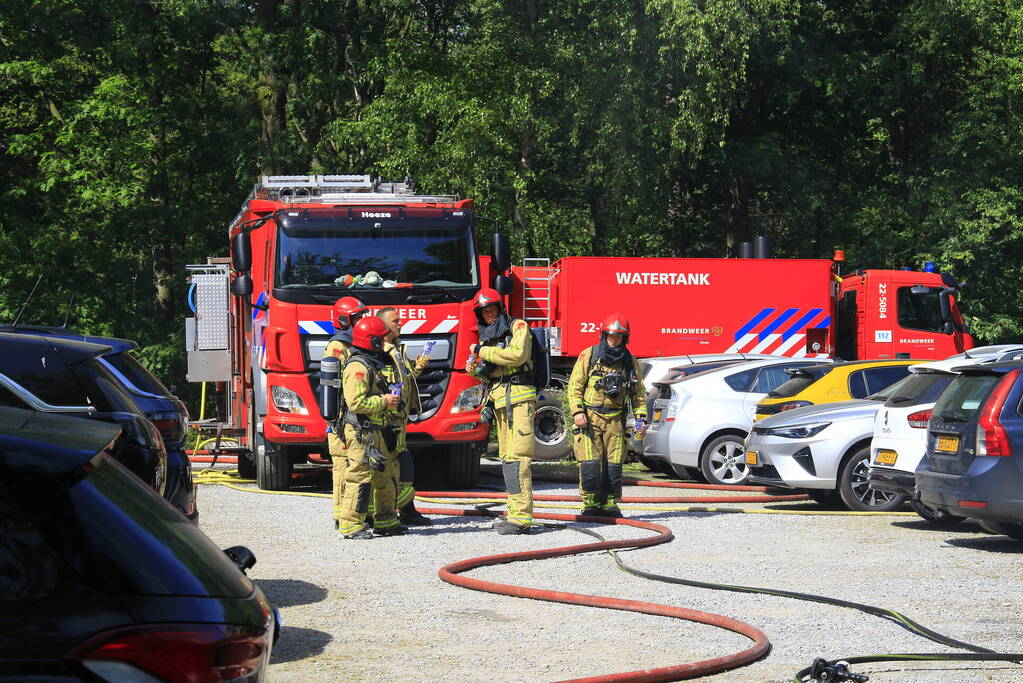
341	189
536	291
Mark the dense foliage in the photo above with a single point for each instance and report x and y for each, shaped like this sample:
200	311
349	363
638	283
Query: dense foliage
131	131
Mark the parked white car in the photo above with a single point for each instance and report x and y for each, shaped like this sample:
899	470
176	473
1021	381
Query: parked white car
823	449
699	422
672	367
900	426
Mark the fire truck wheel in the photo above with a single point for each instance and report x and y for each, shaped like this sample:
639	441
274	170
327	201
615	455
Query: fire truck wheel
247	465
462	467
553	440
723	460
273	466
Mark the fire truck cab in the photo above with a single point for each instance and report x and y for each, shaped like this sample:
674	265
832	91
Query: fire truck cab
298	244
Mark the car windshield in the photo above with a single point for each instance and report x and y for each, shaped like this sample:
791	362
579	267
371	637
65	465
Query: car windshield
801	379
137	373
917	388
964	397
331	254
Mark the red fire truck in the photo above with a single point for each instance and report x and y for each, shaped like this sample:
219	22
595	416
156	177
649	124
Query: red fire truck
263	318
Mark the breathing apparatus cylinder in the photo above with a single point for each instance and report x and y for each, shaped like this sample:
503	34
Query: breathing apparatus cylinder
330	388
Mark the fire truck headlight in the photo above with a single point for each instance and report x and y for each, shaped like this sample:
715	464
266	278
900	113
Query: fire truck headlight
288	401
468	399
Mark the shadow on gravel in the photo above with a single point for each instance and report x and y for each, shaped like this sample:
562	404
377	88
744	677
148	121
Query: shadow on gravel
991	544
299	643
291	592
921	525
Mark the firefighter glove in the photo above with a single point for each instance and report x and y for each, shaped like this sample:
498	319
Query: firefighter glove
376	459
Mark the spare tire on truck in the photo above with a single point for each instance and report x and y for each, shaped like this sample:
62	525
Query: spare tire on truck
550	427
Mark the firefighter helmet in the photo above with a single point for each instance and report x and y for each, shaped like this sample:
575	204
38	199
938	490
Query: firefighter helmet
347	311
369	334
487	297
616	323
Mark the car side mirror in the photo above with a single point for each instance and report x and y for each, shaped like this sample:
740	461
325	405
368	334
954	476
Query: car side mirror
241	556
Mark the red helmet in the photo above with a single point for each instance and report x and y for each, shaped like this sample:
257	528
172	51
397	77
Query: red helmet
617	323
369	334
487	297
347	311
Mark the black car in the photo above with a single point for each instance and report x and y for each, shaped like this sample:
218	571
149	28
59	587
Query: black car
101	580
973	465
157	402
62	376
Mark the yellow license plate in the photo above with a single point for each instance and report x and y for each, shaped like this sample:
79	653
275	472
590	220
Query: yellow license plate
949	444
886	457
752	458
657	416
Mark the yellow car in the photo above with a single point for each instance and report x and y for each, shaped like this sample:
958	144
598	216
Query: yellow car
831	382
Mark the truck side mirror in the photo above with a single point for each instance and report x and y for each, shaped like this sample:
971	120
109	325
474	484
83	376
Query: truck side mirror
503	285
241	252
241	285
501	254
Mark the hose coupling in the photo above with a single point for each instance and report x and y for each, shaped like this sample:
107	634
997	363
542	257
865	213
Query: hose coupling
824	671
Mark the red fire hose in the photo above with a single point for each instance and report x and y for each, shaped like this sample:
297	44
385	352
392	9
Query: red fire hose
452	574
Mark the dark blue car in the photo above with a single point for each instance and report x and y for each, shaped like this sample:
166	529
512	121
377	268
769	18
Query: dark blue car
101	580
973	466
159	405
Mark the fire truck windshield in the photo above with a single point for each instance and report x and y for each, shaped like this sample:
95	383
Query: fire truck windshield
357	255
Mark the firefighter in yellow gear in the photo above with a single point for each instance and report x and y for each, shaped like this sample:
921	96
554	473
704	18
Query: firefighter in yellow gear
503	361
403	373
346	312
371	441
606	378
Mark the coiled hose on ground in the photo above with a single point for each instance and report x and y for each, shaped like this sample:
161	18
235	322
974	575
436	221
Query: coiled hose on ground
821	669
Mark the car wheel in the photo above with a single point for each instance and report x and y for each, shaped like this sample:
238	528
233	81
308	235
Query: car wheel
934	516
723	460
1011	529
857	494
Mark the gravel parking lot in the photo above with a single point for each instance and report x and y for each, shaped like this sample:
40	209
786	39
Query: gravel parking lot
376	610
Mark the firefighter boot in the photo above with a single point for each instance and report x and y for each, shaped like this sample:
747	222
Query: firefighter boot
410	516
591	505
363	533
506	528
610	508
396	530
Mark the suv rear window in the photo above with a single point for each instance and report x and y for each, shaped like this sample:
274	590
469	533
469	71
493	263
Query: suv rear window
964	397
139	375
801	379
919	387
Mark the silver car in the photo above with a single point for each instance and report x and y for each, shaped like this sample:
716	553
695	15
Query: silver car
824	449
699	421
